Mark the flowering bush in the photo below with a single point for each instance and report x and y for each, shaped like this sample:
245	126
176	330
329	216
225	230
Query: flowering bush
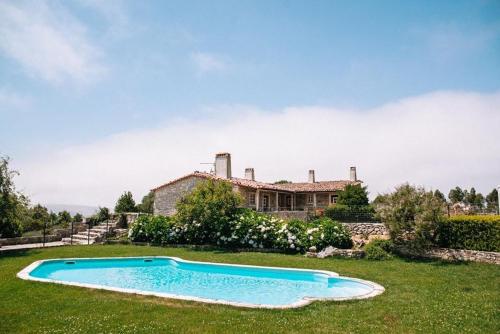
246	229
154	229
292	236
330	233
249	229
137	231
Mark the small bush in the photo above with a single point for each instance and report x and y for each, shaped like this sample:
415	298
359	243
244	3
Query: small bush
326	232
137	231
470	232
378	250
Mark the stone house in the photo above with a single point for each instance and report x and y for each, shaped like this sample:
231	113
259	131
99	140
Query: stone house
260	196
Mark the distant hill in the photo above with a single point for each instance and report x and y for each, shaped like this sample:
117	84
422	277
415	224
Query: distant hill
85	210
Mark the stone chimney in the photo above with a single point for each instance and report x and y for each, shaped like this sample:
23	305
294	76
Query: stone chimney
352	175
312	179
223	165
250	174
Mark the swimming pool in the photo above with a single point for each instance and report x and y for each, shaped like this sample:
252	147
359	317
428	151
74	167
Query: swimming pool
238	285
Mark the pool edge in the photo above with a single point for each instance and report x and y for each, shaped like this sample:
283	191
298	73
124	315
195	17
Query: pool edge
377	289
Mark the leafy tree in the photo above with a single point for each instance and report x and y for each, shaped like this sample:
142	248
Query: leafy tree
35	218
10	202
353	195
125	203
456	195
53	218
208	208
492	201
102	215
412	215
473	198
282	182
439	195
64	217
147	203
78	218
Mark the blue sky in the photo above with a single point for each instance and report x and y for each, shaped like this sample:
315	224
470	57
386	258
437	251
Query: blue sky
73	73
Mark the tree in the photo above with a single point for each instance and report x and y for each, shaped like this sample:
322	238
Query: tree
456	195
473	198
102	215
64	217
353	195
10	202
147	203
492	201
282	182
208	209
412	215
78	218
125	203
439	195
52	218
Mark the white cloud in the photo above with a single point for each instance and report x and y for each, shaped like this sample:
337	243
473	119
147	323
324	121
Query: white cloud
438	140
48	42
206	62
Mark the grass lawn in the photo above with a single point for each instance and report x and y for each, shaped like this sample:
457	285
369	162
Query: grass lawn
420	297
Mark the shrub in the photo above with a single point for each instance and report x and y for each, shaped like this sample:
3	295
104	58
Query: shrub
411	214
378	250
292	236
325	232
470	232
137	231
249	229
208	209
346	213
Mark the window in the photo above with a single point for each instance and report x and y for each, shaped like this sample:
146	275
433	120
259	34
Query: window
310	199
251	199
333	199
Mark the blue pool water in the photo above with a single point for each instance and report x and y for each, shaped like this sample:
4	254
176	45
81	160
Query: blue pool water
229	283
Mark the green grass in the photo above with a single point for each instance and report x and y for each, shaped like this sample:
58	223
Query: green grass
420	297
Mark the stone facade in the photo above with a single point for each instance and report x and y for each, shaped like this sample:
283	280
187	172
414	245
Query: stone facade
166	197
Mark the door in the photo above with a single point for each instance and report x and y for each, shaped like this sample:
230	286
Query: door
265	202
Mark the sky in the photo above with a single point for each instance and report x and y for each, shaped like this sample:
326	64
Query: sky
101	97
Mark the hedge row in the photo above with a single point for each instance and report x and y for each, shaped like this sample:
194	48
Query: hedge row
470	232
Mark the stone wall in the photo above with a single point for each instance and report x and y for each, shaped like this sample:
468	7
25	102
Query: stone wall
450	254
367	229
55	235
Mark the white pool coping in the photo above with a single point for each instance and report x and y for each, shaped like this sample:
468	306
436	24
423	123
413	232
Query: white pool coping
377	289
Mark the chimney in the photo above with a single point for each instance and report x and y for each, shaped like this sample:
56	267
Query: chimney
223	165
353	176
312	179
250	174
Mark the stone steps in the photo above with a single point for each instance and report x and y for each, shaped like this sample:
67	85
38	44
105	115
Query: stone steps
96	234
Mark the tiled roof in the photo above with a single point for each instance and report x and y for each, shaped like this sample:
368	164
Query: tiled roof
288	187
317	186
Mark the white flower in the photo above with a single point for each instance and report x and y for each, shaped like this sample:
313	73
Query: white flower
292	246
322	236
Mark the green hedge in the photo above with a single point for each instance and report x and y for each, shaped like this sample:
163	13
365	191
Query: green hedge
470	232
344	213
